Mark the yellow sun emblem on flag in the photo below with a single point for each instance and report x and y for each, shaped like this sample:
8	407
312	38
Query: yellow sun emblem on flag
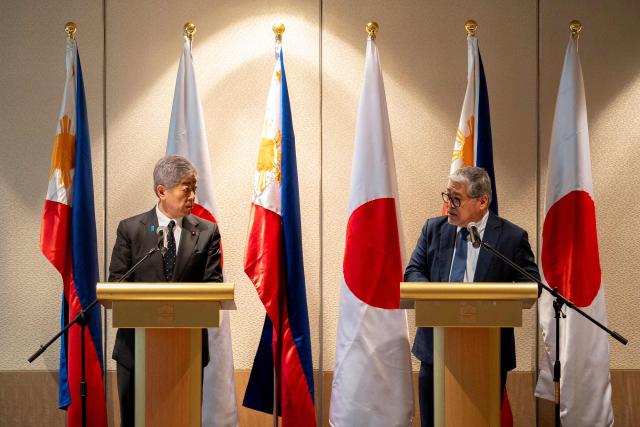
269	158
465	144
64	152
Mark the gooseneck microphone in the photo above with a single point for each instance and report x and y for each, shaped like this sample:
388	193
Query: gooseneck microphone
162	239
474	235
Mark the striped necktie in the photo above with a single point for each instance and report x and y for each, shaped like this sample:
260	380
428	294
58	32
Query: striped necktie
460	258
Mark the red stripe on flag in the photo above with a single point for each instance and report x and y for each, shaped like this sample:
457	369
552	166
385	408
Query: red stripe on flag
570	258
55	243
264	266
297	405
372	264
54	234
263	258
96	409
506	417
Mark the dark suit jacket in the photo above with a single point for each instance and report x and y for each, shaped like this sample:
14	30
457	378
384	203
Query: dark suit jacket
431	262
198	260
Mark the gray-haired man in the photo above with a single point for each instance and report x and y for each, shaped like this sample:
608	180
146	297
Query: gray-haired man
443	254
193	255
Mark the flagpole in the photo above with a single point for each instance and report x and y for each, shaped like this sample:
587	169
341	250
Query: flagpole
70	28
575	27
372	28
189	31
471	26
278	30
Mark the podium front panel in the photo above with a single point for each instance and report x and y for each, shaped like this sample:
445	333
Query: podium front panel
168	377
166	314
462	314
466	365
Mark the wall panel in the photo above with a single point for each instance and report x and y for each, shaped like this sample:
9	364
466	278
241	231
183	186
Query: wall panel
32	80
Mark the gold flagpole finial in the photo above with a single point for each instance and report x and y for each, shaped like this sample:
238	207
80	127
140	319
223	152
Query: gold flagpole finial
189	30
372	28
278	30
70	28
471	26
575	27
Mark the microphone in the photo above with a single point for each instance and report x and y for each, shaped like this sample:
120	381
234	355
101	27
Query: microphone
162	239
474	235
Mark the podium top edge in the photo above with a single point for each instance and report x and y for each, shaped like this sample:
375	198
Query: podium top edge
523	291
165	291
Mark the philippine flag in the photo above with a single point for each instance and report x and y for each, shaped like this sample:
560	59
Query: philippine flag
273	262
68	241
473	145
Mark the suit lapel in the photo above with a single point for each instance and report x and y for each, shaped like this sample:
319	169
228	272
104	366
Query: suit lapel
447	242
150	226
188	240
491	236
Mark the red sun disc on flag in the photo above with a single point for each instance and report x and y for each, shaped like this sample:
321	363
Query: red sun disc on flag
372	264
570	258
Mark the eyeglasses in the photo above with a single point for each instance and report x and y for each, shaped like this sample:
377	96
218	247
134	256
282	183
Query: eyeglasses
188	189
453	200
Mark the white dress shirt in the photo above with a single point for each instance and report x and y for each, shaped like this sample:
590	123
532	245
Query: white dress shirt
164	220
472	253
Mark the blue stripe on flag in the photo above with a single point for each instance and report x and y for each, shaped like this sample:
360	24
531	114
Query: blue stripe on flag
259	392
64	397
296	292
83	227
484	146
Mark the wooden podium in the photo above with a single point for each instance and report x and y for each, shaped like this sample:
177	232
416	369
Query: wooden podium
168	318
466	343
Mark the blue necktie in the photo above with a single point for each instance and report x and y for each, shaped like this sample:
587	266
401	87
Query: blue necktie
170	256
460	258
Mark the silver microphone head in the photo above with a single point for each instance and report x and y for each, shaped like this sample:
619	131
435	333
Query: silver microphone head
161	231
474	235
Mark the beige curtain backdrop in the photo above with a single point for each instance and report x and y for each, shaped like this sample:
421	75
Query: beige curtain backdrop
424	59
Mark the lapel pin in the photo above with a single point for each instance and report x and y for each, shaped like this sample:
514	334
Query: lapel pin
152	228
193	233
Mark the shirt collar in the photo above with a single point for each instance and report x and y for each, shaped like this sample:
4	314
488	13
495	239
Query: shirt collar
481	225
164	220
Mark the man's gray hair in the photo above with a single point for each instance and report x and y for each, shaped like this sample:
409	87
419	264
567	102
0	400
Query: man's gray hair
475	179
170	170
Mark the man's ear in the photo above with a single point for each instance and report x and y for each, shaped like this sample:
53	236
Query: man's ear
160	191
484	200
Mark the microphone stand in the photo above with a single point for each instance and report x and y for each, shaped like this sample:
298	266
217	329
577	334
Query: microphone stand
559	301
81	319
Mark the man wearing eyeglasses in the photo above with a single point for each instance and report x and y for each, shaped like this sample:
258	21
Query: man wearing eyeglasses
445	254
